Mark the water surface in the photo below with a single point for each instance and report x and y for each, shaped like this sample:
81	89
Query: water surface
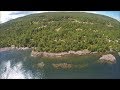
20	65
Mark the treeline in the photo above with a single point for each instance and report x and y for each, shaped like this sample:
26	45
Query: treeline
57	32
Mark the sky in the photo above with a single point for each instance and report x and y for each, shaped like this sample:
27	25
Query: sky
9	15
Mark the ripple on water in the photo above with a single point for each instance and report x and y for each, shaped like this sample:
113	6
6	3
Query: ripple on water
15	72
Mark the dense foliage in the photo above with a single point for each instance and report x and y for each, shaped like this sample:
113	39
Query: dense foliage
62	31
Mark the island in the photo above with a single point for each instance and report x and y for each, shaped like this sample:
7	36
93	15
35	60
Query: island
58	34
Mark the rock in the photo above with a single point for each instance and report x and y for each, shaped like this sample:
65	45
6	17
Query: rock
12	46
83	52
22	48
79	52
71	52
41	65
35	54
109	58
25	48
86	51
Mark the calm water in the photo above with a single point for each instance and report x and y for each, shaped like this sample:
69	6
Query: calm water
20	65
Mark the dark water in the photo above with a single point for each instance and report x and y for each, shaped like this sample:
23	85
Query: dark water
20	65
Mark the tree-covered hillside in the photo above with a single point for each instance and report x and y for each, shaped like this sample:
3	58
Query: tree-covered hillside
62	31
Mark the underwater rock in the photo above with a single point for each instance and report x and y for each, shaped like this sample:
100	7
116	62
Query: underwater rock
41	65
119	53
62	66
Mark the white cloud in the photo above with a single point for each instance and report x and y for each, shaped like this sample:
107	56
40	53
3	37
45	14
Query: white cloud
8	15
4	16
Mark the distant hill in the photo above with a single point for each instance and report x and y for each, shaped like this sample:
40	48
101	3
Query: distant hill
62	31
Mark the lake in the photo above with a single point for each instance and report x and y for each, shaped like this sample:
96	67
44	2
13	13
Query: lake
20	65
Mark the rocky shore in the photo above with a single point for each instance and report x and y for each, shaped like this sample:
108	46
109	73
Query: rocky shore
5	49
47	54
108	58
13	48
105	58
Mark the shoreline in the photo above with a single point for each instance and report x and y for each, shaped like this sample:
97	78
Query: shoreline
60	54
49	54
13	48
107	57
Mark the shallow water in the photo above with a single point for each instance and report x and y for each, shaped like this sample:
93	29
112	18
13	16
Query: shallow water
20	65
